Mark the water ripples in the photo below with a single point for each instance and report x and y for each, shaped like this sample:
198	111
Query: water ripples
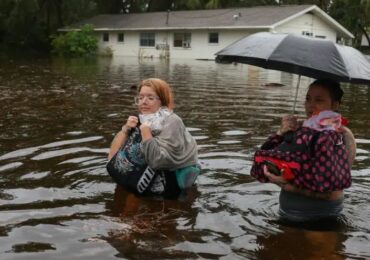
56	198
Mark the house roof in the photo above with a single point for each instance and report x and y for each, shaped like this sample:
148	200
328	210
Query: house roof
261	17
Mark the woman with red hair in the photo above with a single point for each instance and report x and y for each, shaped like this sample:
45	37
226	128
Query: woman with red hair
154	153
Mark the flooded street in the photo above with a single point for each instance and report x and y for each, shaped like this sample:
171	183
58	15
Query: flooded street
57	201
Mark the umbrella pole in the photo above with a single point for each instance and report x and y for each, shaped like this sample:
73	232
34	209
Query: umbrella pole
296	93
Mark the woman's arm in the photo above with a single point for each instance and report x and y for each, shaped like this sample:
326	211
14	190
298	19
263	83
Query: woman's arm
174	147
272	141
350	143
118	141
146	132
287	186
289	123
121	136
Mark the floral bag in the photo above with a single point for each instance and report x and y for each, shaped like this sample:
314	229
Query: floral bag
128	167
317	160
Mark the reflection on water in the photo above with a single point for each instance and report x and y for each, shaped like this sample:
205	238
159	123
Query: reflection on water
58	118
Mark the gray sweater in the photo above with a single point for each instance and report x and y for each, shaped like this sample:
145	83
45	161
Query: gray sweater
173	148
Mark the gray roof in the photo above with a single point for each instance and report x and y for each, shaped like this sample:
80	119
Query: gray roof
262	16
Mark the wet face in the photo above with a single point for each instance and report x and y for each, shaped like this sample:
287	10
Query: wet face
318	99
148	101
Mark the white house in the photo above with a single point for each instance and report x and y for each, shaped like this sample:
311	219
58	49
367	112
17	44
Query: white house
200	34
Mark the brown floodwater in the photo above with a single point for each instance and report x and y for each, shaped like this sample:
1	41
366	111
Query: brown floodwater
58	118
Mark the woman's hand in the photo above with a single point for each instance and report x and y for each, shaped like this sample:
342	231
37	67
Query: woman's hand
287	186
288	123
131	122
146	132
278	180
122	135
145	126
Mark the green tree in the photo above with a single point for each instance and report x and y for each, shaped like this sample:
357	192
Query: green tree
110	6
132	6
76	43
352	14
27	24
20	24
365	26
323	4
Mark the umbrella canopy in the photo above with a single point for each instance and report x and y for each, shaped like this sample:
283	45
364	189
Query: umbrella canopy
311	57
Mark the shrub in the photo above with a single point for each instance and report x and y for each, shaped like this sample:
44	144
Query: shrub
77	43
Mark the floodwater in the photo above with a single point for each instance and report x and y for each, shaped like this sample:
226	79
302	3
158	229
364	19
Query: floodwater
57	201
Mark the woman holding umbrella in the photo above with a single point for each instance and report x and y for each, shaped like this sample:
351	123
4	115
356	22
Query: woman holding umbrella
310	161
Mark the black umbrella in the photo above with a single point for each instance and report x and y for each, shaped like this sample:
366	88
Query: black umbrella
311	57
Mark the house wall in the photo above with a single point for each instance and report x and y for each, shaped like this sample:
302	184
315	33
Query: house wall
200	48
131	45
308	23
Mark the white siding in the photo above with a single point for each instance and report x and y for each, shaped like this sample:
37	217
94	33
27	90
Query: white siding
310	23
200	48
129	47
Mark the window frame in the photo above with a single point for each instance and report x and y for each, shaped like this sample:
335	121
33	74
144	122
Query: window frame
147	39
118	37
307	33
209	38
105	37
183	40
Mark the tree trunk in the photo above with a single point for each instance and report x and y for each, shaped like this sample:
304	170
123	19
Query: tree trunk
159	5
59	4
363	30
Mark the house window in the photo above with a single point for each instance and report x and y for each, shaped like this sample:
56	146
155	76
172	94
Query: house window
307	33
147	39
213	37
120	37
182	40
105	37
320	36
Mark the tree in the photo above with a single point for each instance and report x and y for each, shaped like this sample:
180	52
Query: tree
27	24
163	5
110	6
323	4
76	43
352	14
365	27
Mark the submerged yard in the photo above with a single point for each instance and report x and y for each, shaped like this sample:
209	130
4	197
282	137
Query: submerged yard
57	201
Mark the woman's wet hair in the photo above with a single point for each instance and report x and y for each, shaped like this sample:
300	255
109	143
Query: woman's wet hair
336	93
161	88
